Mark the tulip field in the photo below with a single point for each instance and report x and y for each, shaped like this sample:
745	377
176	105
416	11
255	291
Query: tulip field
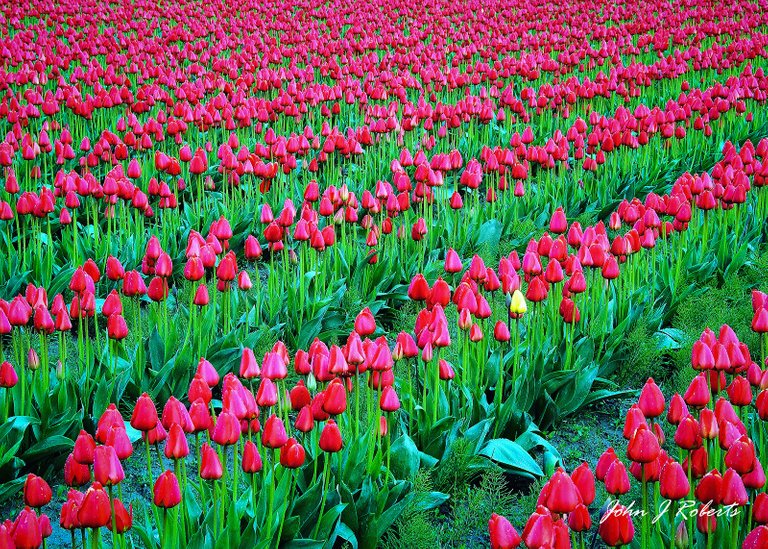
356	274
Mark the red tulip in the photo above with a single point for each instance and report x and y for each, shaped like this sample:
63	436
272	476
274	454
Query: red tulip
292	454
643	447
8	376
226	431
330	438
273	434
251	462
579	520
107	469
144	417
389	401
616	526
75	473
563	496
176	446
503	535
26	530
757	538
585	482
166	491
95	510
210	465
673	482
364	323
335	398
539	530
734	492
616	479
651	400
36	491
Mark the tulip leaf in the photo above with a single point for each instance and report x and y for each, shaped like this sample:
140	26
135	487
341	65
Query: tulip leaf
156	350
328	520
669	339
344	532
489	235
388	517
191	504
134	435
53	444
11	489
424	501
405	457
19	423
512	456
101	398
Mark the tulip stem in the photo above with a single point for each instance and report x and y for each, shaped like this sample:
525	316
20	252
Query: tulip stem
234	474
735	532
149	460
325	488
645	507
672	529
357	403
271	495
437	388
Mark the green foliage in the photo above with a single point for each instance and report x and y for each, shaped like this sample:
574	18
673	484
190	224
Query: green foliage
643	358
415	528
470	520
453	475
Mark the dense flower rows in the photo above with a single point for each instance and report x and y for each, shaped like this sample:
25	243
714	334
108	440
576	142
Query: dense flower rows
262	263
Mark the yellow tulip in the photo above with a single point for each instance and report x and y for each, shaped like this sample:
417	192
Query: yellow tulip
518	305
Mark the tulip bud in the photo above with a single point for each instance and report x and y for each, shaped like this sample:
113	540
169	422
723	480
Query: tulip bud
166	491
503	535
36	491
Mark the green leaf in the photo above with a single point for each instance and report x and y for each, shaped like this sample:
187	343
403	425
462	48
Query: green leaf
54	444
489	234
424	501
404	457
512	456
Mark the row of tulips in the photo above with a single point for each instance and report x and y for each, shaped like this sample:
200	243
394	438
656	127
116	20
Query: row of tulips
127	195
